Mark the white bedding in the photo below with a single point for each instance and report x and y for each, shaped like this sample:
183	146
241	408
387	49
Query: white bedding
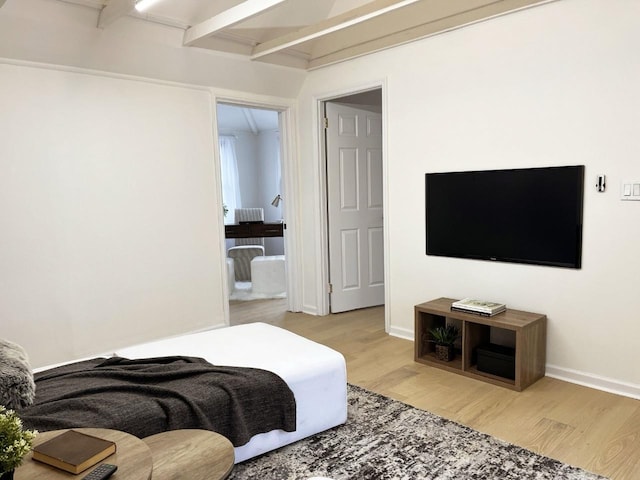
315	373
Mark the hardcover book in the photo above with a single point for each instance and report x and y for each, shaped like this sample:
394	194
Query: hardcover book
481	307
73	451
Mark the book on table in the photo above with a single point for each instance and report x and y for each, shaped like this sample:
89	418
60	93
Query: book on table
73	451
480	307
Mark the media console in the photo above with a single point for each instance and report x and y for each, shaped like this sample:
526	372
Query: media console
527	330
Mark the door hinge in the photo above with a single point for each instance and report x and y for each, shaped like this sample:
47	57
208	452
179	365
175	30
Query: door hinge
329	288
326	122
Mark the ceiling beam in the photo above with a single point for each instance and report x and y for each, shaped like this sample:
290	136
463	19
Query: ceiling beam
334	24
228	18
435	26
114	10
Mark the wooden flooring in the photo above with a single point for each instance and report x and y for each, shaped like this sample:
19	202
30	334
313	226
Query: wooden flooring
588	428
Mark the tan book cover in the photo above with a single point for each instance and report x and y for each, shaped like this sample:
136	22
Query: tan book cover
73	451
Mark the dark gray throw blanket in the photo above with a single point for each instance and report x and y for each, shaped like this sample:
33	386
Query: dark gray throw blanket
148	396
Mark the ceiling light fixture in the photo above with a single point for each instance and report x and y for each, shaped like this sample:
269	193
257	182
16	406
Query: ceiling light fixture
144	4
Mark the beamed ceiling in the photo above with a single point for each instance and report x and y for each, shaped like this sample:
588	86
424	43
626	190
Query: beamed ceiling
306	34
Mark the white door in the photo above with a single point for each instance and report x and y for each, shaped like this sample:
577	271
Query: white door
354	190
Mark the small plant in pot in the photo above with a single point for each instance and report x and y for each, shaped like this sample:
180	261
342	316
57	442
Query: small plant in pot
444	338
15	442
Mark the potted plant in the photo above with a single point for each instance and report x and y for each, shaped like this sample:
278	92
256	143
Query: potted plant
444	338
15	442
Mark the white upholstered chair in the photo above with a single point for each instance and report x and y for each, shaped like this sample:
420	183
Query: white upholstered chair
246	248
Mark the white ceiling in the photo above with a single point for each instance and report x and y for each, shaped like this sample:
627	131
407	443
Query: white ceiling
306	34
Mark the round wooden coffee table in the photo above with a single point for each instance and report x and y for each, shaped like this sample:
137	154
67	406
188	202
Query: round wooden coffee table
132	457
192	454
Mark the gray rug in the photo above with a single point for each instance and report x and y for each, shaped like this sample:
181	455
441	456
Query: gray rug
385	439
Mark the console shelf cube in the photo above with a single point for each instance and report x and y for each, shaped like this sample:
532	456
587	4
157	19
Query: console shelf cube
526	330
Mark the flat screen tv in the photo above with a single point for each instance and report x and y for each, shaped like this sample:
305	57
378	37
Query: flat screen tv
528	215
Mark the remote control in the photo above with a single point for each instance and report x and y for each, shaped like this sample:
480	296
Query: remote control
101	472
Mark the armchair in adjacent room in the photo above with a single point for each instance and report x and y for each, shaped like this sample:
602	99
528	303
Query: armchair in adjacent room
246	248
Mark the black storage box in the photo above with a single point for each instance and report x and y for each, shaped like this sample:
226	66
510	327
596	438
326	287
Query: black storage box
497	360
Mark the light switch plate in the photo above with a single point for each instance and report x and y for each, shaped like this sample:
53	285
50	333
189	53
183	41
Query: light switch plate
630	190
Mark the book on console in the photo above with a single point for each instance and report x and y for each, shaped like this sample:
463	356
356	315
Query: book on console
73	451
475	312
481	307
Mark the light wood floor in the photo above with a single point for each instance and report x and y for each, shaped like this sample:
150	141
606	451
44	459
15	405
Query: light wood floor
588	428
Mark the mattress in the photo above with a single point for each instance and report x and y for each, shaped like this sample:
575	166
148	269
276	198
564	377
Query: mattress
315	373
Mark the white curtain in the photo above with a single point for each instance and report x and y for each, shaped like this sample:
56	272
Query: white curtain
278	176
278	168
230	181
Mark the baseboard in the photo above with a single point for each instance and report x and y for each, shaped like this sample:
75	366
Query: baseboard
594	381
566	374
405	333
310	309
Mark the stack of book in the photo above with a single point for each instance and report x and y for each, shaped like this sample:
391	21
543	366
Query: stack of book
478	307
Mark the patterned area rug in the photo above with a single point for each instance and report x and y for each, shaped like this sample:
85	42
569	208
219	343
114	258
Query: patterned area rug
385	439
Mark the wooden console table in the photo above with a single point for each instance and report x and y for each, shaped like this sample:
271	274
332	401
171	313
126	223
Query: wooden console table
254	230
529	330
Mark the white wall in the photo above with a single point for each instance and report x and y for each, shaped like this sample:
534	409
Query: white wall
109	197
552	85
108	204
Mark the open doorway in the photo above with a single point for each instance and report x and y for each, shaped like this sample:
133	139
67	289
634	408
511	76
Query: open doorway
353	150
253	202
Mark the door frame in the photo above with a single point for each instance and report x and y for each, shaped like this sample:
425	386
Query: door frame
322	292
289	172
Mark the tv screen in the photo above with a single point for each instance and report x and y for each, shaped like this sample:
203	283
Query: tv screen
528	215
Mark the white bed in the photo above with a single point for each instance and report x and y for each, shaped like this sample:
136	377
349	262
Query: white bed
315	373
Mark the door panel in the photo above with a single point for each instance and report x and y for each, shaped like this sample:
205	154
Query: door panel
349	182
376	257
350	269
355	201
374	179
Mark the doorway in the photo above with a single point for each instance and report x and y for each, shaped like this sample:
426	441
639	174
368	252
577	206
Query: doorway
355	200
252	178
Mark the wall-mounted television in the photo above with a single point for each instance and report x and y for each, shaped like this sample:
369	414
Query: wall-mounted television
527	215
